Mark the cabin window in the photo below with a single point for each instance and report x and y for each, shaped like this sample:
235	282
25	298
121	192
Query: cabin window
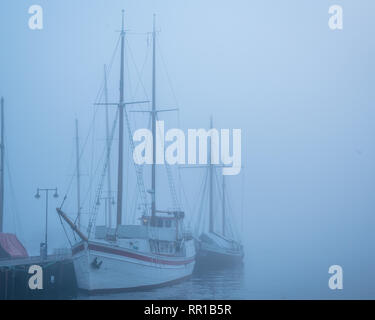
160	223
168	223
178	247
152	245
171	248
163	247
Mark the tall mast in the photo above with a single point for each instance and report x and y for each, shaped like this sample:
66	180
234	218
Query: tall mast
2	167
223	222
153	118
108	146
211	175
121	129
78	179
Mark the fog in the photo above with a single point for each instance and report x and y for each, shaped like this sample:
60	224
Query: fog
301	93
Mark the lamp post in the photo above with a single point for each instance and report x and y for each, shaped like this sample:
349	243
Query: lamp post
37	196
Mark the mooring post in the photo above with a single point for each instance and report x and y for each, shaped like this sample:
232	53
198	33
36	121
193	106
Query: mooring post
61	278
1	275
13	275
6	285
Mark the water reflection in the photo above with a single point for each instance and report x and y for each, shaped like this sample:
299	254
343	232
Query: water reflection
225	283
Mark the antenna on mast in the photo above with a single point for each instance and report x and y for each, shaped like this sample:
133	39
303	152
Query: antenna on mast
78	179
121	129
153	120
123	18
109	184
211	176
223	222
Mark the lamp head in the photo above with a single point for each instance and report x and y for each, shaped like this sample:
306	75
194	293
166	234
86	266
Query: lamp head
37	195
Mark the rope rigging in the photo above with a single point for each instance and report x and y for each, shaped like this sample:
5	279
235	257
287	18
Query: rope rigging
102	178
101	168
92	126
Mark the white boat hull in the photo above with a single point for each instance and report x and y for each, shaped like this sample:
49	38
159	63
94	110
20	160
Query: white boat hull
100	268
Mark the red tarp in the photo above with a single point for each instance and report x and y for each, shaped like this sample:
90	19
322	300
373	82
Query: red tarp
11	247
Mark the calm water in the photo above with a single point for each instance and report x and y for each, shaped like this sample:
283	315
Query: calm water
270	274
218	284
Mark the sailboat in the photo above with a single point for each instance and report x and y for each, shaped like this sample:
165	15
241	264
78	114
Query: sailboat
217	249
10	246
156	252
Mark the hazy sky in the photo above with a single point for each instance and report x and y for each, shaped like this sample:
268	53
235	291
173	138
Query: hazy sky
301	93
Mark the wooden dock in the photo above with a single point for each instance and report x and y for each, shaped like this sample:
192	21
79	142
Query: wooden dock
8	263
58	277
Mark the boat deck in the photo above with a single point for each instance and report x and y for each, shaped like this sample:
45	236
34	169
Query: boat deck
14	262
58	277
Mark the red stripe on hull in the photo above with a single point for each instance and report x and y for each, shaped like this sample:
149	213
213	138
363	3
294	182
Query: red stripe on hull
122	253
78	249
